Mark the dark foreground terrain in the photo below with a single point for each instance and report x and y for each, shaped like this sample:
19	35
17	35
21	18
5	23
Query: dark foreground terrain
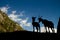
27	35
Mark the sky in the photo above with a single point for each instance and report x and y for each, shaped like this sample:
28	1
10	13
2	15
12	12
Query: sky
22	11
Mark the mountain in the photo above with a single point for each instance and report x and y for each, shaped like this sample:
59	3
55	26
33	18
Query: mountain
7	25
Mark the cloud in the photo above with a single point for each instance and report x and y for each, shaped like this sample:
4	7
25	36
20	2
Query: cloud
13	12
25	23
13	17
16	17
21	13
4	9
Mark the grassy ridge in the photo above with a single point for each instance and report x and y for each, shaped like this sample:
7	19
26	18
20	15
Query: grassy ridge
7	25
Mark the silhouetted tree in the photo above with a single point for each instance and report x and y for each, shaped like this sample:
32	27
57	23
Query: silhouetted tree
58	26
35	24
47	23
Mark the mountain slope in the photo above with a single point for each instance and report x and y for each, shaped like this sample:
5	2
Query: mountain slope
7	25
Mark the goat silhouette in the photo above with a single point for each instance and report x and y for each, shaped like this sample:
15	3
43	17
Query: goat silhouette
35	25
47	23
58	26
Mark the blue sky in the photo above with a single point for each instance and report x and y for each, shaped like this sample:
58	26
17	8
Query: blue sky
49	9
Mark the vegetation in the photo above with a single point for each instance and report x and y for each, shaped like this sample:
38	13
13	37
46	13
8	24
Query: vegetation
7	25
